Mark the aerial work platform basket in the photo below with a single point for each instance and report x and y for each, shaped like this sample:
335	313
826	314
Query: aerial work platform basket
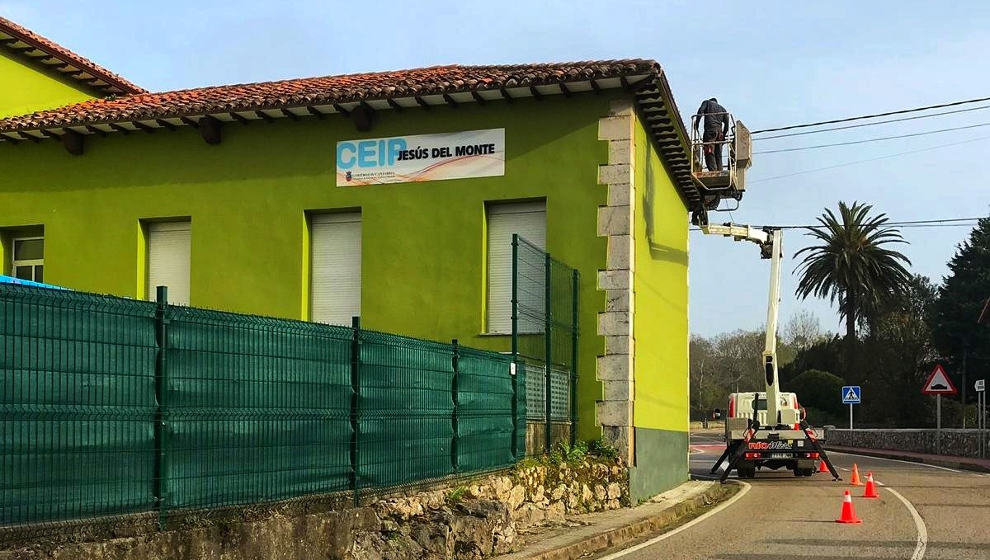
732	156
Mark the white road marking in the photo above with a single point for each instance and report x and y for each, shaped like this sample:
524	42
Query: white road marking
919	549
689	524
898	461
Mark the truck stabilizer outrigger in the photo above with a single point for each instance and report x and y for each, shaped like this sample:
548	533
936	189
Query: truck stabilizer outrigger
760	440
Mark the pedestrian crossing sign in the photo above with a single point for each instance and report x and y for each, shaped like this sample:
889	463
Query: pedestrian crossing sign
851	394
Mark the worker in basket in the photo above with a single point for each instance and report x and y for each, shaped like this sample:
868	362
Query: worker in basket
716	127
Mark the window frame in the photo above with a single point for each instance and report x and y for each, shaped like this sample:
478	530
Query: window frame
15	263
487	322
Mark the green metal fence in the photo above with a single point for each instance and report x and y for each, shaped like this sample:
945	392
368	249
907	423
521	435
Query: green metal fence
110	406
545	333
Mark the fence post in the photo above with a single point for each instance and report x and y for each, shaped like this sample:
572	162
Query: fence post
161	389
513	369
575	280
355	405
547	337
457	404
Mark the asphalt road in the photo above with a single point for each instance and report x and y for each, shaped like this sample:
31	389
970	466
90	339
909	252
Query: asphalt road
923	512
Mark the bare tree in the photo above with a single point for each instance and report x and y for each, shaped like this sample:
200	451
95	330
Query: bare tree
803	329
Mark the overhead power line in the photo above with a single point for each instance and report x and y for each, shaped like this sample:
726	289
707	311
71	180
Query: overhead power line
856	162
848	126
878	139
940	222
872	116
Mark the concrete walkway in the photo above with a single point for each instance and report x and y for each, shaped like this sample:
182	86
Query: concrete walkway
594	532
948	461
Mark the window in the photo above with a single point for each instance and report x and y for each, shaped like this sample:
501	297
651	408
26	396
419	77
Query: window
29	258
335	242
529	220
168	260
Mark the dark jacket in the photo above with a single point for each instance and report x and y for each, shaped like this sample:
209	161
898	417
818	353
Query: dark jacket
716	117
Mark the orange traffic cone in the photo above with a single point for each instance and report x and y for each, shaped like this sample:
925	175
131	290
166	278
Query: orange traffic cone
822	467
871	488
854	480
848	515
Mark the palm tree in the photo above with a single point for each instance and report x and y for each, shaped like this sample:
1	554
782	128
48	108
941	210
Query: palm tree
852	266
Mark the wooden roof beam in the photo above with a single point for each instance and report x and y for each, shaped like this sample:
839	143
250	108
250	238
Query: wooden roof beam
119	128
73	142
211	129
239	118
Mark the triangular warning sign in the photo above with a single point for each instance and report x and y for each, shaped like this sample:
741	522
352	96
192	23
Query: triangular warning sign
938	383
851	395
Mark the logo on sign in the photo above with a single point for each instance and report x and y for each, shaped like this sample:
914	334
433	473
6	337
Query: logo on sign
769	445
421	157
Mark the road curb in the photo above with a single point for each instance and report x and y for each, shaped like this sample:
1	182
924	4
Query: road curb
634	530
948	463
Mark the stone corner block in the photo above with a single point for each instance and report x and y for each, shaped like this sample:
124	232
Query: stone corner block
621	106
618	127
614	220
614	367
619	253
614	280
614	173
614	413
619	194
620	151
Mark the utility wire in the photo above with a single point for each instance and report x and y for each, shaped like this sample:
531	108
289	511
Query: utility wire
878	139
941	222
856	162
873	123
873	116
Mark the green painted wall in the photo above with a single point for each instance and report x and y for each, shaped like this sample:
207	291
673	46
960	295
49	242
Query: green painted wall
423	243
27	88
660	326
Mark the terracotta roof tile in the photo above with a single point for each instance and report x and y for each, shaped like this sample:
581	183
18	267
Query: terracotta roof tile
324	91
54	50
645	77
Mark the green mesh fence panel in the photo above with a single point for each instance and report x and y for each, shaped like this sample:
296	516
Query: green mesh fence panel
252	409
257	409
484	414
405	410
545	331
77	374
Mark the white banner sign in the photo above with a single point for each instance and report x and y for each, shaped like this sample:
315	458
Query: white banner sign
423	157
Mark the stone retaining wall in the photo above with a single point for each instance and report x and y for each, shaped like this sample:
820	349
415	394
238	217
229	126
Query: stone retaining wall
961	443
467	520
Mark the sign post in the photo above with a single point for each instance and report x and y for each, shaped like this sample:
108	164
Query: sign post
938	384
981	413
851	394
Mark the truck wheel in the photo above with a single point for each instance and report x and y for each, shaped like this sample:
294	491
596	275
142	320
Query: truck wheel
747	472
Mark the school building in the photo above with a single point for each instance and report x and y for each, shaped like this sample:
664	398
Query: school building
392	196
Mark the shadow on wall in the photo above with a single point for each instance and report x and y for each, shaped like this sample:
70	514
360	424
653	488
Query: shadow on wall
658	251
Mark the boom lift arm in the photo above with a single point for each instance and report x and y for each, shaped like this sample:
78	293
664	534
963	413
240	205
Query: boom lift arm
769	241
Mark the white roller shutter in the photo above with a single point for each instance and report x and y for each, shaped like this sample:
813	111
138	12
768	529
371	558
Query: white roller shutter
336	267
168	260
529	220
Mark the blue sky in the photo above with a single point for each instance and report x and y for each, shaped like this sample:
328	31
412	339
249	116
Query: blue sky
771	63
